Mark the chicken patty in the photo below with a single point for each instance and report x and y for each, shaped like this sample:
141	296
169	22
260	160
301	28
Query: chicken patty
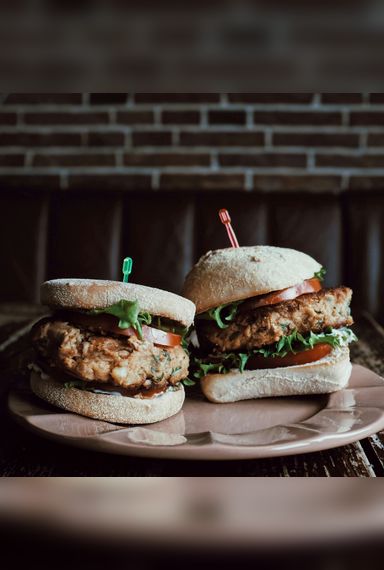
122	361
257	327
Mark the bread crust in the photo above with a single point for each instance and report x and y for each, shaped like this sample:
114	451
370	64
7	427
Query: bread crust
324	376
115	409
93	293
233	274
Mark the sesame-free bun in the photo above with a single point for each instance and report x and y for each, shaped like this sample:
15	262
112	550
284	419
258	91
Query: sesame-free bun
324	376
233	274
97	294
110	408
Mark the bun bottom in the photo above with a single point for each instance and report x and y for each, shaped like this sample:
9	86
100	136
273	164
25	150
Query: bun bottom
115	409
324	376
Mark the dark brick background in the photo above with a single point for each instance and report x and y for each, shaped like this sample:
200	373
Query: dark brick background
193	141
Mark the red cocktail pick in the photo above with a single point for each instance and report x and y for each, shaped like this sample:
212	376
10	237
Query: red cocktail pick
226	220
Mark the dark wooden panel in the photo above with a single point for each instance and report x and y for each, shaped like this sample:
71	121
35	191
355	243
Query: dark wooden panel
313	225
166	233
248	214
85	236
158	235
22	245
365	238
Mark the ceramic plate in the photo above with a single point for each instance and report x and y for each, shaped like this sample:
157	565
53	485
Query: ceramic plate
268	427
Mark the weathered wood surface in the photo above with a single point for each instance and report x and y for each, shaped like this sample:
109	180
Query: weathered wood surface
24	454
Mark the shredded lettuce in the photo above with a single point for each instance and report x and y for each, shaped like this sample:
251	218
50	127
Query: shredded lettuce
293	343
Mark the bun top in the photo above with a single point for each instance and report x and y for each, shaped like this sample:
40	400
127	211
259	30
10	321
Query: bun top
233	274
96	294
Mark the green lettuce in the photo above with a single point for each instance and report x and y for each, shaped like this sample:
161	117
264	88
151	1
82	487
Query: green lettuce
169	326
223	364
221	313
293	343
320	274
129	315
75	384
188	382
296	342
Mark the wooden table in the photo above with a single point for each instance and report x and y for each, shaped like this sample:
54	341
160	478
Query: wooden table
25	454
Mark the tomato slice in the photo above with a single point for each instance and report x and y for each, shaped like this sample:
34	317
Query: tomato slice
109	323
162	338
303	357
307	286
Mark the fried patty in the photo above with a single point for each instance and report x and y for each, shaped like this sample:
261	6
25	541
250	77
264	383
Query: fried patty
122	361
256	327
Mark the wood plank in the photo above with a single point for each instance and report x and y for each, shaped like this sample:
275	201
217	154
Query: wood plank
320	218
158	234
22	250
84	236
364	224
369	351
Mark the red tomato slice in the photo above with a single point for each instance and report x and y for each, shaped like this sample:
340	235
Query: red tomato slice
109	323
162	338
307	286
303	357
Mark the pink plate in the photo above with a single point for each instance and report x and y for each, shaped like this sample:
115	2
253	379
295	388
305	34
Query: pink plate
269	427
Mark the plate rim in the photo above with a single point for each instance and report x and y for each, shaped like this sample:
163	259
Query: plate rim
215	450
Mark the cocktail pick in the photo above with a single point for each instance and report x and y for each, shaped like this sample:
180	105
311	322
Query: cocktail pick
226	220
127	268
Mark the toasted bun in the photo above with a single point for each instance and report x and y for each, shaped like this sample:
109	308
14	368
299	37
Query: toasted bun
232	274
117	409
97	294
329	374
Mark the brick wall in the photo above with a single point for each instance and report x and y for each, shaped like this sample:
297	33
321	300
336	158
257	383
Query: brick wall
253	141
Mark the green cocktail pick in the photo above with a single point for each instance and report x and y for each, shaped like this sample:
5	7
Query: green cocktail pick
127	268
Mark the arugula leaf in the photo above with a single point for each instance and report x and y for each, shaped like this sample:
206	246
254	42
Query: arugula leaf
188	382
142	319
228	362
296	342
74	384
126	311
129	315
169	326
221	313
293	343
243	357
215	315
320	274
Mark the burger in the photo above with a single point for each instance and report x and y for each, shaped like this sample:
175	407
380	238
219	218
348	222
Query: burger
266	326
112	351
